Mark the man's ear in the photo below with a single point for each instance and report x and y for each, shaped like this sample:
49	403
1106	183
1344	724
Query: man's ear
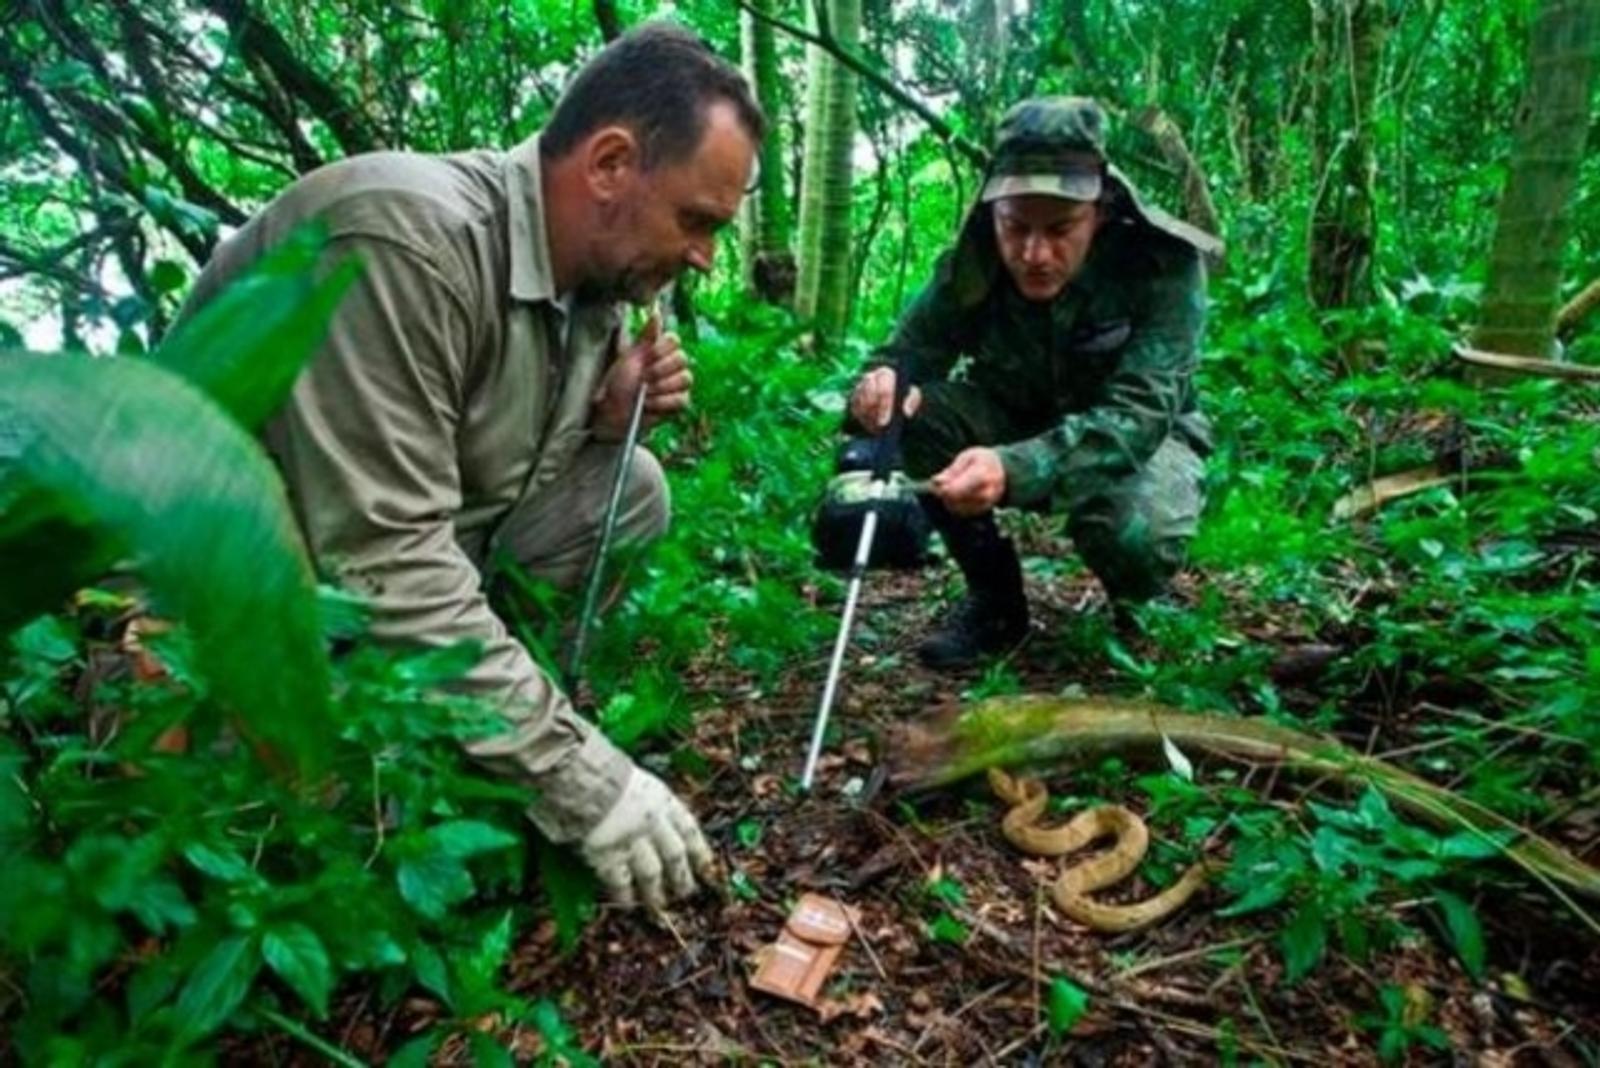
612	158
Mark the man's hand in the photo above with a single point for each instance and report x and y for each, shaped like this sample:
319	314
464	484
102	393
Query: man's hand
973	484
660	361
873	399
648	846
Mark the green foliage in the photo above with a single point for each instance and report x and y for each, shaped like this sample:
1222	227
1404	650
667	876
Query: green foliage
1334	875
1400	1026
212	538
1466	617
1065	1004
225	875
245	349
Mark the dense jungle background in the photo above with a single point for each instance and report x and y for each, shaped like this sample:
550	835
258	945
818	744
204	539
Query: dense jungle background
1398	553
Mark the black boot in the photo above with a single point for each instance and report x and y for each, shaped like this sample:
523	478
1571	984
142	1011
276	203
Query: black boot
994	616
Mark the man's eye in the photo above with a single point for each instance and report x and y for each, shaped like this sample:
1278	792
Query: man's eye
699	223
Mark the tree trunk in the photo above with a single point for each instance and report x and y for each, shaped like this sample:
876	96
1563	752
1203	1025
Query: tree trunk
1524	286
767	225
610	23
823	292
1347	40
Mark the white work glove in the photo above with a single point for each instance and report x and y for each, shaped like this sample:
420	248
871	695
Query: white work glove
648	845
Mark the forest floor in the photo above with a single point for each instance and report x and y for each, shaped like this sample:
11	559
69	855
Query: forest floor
1197	988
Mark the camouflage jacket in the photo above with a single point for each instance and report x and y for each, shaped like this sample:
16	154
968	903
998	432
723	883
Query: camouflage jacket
1095	380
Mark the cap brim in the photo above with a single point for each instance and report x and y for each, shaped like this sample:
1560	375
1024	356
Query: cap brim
1065	186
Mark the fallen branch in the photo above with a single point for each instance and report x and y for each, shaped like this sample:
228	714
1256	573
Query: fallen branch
1573	312
1369	497
1036	729
1527	365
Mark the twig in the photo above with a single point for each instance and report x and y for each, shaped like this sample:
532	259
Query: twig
1038	973
1255	1007
866	944
826	41
1017	1043
1188	954
666	921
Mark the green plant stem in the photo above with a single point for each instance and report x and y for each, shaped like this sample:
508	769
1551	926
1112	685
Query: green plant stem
296	1030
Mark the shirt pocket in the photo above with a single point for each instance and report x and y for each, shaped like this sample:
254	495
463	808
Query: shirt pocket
1087	357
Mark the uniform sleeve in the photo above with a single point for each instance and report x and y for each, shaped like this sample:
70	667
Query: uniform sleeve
367	447
928	334
1138	405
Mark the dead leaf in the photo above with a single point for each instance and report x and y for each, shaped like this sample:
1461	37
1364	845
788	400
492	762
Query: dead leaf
862	1005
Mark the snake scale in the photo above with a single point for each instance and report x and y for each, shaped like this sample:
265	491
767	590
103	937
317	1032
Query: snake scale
1071	889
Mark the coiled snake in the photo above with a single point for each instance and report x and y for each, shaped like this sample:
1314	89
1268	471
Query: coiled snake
1071	889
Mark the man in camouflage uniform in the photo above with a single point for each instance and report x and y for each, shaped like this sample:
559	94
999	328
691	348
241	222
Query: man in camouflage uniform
1075	313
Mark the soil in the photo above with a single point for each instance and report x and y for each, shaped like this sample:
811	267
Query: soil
1197	988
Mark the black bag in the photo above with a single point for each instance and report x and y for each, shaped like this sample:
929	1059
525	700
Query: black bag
901	540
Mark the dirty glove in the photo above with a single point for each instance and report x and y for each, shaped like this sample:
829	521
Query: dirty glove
648	845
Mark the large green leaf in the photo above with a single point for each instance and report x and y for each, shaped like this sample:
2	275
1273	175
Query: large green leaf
294	951
170	483
246	347
216	987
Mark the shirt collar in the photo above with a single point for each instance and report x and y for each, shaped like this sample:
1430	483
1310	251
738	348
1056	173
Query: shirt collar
531	276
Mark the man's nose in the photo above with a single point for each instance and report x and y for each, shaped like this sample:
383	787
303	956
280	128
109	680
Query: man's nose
1034	250
700	255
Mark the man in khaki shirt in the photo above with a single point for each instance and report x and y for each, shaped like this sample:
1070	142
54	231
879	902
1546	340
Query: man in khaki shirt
474	383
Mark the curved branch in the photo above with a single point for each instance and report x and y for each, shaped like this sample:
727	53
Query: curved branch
1527	365
258	37
1573	311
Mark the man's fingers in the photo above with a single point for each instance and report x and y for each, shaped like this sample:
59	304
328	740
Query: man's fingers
674	861
615	876
646	869
672	381
704	861
913	401
666	403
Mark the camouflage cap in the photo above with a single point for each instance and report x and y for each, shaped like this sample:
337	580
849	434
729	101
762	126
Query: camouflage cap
1049	146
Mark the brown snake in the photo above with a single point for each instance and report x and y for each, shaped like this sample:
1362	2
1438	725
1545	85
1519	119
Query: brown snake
1071	889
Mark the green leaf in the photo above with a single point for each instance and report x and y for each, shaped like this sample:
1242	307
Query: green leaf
224	864
558	1037
168	276
573	890
946	928
1304	941
1466	932
477	970
123	459
1065	1004
487	1052
461	839
159	902
216	987
433	882
415	1054
295	952
246	347
428	966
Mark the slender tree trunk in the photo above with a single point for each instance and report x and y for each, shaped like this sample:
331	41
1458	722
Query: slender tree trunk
823	291
610	23
1524	287
1347	43
767	225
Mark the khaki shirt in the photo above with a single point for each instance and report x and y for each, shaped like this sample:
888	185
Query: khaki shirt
440	397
